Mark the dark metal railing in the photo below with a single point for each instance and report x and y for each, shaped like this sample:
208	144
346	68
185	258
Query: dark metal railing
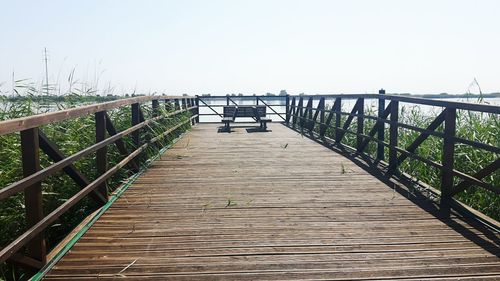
215	104
33	139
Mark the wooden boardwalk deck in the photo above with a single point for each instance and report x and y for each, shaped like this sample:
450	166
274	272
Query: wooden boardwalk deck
272	206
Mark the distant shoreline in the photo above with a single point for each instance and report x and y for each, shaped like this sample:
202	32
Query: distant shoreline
449	96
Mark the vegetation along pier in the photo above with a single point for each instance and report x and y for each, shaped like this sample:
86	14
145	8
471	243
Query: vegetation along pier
337	187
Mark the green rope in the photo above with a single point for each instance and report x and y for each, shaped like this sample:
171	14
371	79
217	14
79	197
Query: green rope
117	194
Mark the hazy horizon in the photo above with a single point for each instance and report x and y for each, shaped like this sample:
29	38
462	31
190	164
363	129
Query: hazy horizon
255	47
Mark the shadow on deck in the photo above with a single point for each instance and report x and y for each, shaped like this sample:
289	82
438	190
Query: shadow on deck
273	206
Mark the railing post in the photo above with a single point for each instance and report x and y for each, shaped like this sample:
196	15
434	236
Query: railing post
177	105
227	99
184	105
154	105
197	110
381	130
448	154
257	100
287	109
393	135
136	119
309	113
101	153
298	111
321	107
189	105
360	122
338	119
167	105
30	151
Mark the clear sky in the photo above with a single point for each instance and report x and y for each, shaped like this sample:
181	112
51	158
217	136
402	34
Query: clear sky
253	46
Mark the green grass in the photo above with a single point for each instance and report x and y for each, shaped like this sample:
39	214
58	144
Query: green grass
71	136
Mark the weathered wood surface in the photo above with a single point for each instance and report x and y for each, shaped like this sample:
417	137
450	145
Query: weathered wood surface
272	206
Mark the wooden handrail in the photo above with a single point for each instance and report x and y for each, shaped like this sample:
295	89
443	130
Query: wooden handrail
23	123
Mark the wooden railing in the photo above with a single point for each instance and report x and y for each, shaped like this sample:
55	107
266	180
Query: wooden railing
33	139
316	120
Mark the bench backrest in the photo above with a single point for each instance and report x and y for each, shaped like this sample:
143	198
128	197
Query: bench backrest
244	111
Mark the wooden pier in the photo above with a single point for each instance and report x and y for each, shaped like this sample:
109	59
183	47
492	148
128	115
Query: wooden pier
323	194
274	205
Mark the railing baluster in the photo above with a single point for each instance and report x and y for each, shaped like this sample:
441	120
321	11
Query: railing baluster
33	201
381	130
136	120
298	111
197	110
177	105
287	109
101	154
393	136
448	154
321	107
293	109
360	122
168	105
154	106
338	118
304	114
184	106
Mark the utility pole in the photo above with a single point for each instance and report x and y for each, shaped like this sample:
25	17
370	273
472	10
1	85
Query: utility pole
46	72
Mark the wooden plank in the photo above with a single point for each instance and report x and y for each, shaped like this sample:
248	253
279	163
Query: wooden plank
246	206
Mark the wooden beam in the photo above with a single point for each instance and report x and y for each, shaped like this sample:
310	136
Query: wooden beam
360	123
28	263
304	120
53	152
376	128
33	200
319	109
329	118
484	172
136	120
19	124
419	140
120	144
355	109
101	153
448	158
393	137
381	127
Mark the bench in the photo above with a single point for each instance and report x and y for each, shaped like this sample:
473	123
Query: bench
257	112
